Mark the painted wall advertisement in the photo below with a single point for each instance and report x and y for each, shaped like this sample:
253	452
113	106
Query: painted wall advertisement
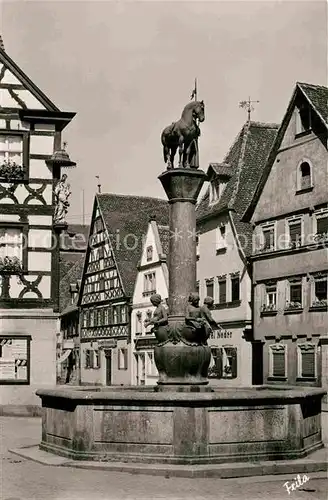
13	359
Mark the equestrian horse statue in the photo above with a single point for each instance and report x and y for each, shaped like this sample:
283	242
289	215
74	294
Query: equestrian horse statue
184	134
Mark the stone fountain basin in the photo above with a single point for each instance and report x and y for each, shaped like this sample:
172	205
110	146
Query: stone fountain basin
181	425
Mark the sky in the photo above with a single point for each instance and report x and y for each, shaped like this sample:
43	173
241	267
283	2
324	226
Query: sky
127	69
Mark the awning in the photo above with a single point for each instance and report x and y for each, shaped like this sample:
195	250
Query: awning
64	356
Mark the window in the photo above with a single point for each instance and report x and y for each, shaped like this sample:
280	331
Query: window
119	314
222	290
295	299
11	249
214	190
152	370
92	359
149	252
149	283
322	225
268	238
278	356
106	316
85	319
221	237
15	360
305	176
319	290
210	288
92	318
295	233
223	363
235	288
123	359
138	323
270	298
303	119
306	360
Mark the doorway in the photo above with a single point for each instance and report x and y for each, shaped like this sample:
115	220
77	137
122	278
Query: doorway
108	356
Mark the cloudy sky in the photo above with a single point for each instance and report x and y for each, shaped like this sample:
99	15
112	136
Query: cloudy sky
127	69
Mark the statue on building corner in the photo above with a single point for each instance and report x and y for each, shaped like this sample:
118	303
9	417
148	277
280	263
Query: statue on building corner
62	193
183	135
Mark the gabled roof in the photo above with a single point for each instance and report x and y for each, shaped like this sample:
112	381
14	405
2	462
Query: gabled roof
72	276
219	170
126	219
247	157
9	64
317	97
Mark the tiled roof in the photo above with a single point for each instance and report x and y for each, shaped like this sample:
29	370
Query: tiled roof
75	238
2	47
164	236
127	219
318	96
72	276
247	157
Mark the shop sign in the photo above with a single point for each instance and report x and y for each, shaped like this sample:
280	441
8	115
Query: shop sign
221	334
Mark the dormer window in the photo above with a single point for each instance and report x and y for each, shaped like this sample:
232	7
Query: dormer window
303	119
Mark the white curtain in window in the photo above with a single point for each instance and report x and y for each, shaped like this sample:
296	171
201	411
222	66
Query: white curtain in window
10	242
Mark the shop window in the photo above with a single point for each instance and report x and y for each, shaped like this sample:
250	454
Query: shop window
14	360
123	359
92	358
224	362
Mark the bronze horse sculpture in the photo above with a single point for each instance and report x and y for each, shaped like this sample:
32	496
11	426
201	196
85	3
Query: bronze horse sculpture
183	134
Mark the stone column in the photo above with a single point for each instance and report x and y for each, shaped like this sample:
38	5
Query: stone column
181	358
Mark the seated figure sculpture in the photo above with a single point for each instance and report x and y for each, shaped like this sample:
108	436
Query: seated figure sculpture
158	319
198	329
206	312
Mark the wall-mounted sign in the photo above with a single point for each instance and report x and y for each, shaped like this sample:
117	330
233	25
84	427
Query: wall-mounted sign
221	334
145	342
14	359
107	344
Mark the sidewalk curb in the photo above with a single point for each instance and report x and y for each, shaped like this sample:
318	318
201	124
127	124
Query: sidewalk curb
312	464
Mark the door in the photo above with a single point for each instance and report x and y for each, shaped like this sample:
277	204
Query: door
108	355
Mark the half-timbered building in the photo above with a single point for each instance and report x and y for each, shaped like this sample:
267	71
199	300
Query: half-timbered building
118	226
30	133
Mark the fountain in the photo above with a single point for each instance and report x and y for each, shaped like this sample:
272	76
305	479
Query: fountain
182	420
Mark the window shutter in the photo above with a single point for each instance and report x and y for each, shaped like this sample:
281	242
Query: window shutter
222	291
234	362
279	368
322	225
92	359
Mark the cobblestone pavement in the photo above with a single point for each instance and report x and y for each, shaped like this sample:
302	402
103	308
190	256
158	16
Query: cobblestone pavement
26	480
